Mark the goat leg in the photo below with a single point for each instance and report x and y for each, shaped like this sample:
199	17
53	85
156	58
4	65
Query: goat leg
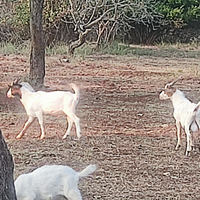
40	120
178	126
27	124
70	122
189	142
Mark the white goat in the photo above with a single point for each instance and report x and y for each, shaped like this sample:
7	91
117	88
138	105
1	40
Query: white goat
185	113
54	103
50	181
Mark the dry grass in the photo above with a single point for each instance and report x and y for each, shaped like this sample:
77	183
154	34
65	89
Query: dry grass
127	131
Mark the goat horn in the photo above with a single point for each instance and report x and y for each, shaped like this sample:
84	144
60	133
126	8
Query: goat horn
16	80
171	84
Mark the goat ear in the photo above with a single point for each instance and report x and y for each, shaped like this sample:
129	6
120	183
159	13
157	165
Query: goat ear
169	85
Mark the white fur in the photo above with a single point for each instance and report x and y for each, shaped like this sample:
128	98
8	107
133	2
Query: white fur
50	181
186	114
53	103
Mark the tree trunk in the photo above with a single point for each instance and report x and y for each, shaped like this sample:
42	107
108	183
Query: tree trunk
7	189
37	56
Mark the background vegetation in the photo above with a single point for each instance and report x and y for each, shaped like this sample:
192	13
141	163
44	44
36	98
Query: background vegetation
144	22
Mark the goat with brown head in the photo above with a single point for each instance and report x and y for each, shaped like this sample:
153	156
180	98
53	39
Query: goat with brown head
186	114
168	91
38	103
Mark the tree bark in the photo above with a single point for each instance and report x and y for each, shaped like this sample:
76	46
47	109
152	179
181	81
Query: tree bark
7	189
37	56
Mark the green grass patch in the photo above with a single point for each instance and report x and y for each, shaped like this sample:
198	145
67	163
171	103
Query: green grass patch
156	51
116	48
10	48
57	50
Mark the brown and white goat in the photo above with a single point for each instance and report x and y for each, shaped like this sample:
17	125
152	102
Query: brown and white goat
186	114
54	103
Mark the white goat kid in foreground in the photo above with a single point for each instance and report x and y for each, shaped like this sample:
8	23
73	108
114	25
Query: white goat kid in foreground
186	114
50	181
38	103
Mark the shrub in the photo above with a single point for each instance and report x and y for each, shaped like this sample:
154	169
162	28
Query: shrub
180	12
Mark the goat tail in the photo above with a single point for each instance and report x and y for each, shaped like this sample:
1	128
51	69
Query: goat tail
87	171
76	90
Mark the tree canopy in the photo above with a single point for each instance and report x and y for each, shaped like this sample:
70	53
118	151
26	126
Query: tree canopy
132	20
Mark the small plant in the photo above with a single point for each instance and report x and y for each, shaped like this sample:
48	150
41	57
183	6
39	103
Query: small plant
10	48
57	50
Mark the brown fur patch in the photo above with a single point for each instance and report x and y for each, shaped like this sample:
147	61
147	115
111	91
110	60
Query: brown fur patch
170	91
15	91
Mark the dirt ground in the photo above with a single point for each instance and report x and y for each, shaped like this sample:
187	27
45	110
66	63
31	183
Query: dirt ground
128	132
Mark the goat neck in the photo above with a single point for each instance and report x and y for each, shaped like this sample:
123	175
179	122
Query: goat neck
26	95
178	98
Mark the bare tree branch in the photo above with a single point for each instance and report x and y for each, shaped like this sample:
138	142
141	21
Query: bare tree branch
123	13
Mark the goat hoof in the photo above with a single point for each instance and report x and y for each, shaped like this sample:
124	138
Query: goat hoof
177	148
193	148
79	137
187	153
18	137
64	137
